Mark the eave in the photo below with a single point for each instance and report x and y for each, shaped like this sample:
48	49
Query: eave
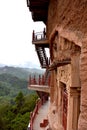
39	9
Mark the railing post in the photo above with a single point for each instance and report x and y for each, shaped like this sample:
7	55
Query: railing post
44	33
39	79
34	80
33	36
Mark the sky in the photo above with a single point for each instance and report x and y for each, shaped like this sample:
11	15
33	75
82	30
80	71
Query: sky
16	26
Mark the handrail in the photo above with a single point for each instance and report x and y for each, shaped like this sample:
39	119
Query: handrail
38	35
41	80
44	60
33	114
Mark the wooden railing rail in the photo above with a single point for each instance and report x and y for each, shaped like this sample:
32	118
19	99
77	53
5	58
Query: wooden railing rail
41	80
39	35
33	114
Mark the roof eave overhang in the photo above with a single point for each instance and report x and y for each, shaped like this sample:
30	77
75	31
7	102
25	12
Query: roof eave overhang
39	9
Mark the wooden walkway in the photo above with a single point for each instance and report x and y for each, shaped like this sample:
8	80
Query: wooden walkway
42	114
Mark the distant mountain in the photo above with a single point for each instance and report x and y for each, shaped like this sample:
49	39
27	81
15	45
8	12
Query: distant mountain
22	73
15	79
10	85
2	65
26	64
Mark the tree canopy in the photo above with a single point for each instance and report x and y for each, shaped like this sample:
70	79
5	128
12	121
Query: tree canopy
17	116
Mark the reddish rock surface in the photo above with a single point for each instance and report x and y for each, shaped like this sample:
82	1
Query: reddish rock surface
69	18
70	14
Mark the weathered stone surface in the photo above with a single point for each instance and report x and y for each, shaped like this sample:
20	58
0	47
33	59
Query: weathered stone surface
69	19
83	73
53	118
70	14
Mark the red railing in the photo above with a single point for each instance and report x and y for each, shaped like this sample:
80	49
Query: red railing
33	114
41	80
39	35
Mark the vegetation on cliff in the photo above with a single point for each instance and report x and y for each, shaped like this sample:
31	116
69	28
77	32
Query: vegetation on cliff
16	115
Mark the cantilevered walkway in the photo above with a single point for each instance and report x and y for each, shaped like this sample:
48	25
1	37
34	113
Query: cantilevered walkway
41	117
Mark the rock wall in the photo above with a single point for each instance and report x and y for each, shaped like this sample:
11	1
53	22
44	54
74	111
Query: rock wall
83	73
71	16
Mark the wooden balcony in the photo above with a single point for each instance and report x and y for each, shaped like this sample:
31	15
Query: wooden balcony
40	41
39	38
42	83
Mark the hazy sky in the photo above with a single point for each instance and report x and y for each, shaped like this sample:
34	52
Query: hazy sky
16	27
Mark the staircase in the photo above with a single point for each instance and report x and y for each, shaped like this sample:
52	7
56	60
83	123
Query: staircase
42	56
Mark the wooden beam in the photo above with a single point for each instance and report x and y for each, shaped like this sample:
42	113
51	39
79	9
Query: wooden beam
57	63
39	9
41	43
41	88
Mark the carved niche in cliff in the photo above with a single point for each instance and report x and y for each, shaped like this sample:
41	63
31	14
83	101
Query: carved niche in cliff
67	49
63	49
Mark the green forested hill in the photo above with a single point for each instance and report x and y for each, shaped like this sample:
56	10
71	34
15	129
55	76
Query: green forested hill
16	116
13	80
16	101
10	86
22	73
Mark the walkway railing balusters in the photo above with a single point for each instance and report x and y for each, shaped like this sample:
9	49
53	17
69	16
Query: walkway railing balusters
39	35
41	80
33	114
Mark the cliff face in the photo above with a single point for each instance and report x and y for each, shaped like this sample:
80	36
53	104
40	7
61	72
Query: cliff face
70	14
83	74
69	18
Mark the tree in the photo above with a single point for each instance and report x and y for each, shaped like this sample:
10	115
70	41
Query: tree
16	116
19	100
1	124
20	122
